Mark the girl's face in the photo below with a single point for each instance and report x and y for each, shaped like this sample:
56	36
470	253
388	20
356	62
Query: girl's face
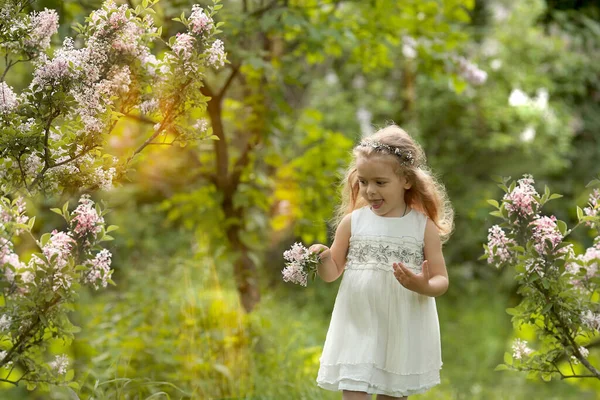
380	186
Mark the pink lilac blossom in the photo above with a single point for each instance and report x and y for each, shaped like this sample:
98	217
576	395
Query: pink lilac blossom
471	72
199	21
300	263
545	229
216	54
58	248
498	245
8	98
60	364
593	207
86	218
522	198
99	269
520	349
297	253
183	46
294	273
43	24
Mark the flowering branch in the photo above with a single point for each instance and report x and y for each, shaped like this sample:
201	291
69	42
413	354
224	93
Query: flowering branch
557	284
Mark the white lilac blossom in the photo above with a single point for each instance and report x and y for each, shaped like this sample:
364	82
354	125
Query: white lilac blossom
520	349
99	269
593	208
201	125
216	54
86	218
60	364
545	229
584	353
5	322
590	261
591	320
8	98
408	47
522	198
498	245
43	25
199	21
149	106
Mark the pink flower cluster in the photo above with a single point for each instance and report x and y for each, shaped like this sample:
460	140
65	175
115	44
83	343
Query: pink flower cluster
184	46
300	263
522	199
470	72
199	21
99	269
43	25
86	218
58	248
498	245
545	229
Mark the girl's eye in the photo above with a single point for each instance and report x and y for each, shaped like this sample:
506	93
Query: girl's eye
381	183
361	182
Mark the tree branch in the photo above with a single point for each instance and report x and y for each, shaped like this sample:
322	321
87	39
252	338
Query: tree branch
234	71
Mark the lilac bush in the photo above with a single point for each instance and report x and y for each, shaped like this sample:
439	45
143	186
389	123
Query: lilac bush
52	136
558	286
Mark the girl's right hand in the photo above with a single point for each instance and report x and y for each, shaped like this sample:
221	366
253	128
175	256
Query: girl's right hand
323	251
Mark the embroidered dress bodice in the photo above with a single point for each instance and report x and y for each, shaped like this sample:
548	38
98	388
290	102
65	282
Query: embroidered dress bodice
383	338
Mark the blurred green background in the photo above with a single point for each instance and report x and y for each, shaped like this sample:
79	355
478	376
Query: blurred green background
306	80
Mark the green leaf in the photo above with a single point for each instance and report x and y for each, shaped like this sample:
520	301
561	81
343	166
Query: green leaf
508	358
112	228
57	210
579	213
69	375
501	367
493	203
512	311
562	227
555	196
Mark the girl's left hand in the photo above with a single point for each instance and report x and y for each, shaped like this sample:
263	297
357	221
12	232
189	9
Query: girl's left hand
415	282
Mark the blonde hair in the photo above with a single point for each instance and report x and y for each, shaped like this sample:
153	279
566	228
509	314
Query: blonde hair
426	194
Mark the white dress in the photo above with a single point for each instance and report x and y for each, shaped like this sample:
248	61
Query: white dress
383	338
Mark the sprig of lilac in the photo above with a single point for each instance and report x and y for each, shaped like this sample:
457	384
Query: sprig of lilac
301	263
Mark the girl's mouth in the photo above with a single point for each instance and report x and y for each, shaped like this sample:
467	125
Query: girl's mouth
376	204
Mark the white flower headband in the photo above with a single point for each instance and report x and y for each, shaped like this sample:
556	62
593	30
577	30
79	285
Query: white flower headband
406	158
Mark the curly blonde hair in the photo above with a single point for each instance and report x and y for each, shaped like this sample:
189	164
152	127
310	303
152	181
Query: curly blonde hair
426	193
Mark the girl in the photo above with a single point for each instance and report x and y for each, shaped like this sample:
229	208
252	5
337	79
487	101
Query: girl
384	335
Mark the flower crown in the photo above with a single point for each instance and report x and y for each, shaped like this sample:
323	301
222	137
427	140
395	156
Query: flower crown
406	158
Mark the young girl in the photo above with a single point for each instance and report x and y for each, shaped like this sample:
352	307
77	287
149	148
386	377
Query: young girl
384	335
